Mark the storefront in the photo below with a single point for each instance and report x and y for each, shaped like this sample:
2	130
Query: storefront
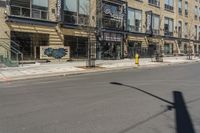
111	46
111	27
29	43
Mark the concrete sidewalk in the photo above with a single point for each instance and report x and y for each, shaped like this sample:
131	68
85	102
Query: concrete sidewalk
61	69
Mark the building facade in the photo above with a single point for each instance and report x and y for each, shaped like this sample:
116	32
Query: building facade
108	29
167	26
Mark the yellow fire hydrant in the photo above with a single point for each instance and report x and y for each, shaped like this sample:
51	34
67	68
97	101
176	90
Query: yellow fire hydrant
137	59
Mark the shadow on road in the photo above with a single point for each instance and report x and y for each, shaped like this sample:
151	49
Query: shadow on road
183	121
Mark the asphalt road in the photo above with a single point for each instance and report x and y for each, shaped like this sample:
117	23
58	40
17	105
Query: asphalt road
153	100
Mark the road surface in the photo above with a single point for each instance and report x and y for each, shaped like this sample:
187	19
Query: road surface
150	100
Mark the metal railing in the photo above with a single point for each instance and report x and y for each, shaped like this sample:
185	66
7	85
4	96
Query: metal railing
11	49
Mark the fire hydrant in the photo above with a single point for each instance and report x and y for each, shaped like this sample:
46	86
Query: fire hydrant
137	59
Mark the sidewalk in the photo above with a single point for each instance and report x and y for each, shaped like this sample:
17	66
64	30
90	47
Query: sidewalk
69	68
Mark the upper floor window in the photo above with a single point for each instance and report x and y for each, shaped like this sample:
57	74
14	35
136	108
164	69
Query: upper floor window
134	20
156	24
37	9
180	7
186	30
195	36
186	8
196	13
152	23
179	29
71	5
154	2
169	26
169	5
113	16
76	11
199	13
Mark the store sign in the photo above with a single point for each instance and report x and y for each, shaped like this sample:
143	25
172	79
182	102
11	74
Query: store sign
113	13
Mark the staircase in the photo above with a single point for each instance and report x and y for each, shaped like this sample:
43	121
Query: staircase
178	48
6	49
56	37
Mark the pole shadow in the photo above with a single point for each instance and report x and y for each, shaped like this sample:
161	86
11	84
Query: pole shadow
183	120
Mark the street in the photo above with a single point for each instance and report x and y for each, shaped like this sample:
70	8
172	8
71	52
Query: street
150	100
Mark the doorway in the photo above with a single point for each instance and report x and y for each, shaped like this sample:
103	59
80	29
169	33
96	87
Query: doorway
152	49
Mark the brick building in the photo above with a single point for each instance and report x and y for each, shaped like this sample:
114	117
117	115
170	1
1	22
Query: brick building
109	29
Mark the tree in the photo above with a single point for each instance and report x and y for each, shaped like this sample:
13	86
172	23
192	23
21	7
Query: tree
190	33
88	8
